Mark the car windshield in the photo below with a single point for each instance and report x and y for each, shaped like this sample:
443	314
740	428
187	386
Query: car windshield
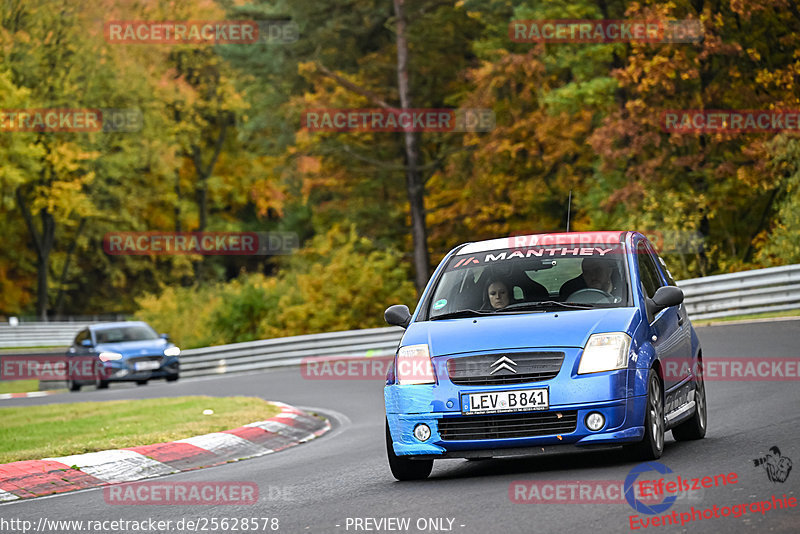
119	334
523	280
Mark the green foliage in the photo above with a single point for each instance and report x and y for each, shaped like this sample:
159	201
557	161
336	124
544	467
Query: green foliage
781	246
185	313
222	148
339	281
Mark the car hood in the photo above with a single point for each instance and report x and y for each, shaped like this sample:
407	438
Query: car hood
565	328
149	347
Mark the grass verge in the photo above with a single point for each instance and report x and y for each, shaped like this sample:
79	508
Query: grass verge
18	386
35	432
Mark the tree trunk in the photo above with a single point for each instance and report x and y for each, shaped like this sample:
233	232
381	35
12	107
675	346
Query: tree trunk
65	271
204	172
414	184
43	243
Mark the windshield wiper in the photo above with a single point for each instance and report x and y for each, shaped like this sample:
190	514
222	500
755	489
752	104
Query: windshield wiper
461	313
548	304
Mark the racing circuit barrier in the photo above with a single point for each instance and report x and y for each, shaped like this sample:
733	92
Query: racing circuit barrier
772	289
51	334
727	295
288	351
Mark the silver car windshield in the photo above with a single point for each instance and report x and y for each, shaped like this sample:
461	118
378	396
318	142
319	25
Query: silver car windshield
120	334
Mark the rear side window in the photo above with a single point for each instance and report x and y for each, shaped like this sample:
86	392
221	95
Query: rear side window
648	272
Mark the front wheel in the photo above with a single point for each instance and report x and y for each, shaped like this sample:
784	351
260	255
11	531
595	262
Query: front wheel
694	428
403	468
73	385
173	378
651	447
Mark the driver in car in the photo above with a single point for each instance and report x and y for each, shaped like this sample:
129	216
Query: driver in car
596	274
498	294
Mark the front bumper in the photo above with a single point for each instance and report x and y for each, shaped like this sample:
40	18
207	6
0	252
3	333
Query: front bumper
409	405
124	370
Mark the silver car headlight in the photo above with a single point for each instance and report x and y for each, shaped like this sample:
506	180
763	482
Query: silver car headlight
605	352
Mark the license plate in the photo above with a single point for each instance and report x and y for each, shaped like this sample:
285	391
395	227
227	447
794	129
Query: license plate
146	366
520	400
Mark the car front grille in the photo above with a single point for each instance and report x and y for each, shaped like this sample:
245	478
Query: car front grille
145	359
517	425
529	367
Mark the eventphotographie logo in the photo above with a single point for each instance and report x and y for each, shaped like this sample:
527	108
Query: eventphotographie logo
777	467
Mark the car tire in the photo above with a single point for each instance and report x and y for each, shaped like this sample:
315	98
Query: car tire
173	378
141	382
403	468
102	384
652	446
695	428
73	385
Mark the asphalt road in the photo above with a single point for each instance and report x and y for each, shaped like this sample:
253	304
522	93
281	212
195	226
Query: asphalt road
317	486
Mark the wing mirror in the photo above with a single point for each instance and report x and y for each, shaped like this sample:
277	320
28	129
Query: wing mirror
398	315
667	296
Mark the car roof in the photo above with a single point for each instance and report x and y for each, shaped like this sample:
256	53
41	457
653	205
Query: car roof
103	326
531	240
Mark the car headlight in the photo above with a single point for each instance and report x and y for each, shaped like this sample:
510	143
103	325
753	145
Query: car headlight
414	365
172	351
109	356
605	352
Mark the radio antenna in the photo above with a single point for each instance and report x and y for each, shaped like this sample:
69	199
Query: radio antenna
569	206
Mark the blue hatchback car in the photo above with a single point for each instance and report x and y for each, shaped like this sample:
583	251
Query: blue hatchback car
523	344
122	351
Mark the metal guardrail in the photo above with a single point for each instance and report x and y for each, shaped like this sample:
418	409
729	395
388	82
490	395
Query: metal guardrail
287	351
709	297
55	334
728	295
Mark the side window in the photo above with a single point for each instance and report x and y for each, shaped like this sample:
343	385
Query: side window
83	334
648	272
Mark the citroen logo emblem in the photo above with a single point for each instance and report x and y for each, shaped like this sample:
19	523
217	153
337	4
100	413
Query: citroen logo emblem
503	363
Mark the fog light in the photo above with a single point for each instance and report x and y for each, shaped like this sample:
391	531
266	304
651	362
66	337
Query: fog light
595	421
422	432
